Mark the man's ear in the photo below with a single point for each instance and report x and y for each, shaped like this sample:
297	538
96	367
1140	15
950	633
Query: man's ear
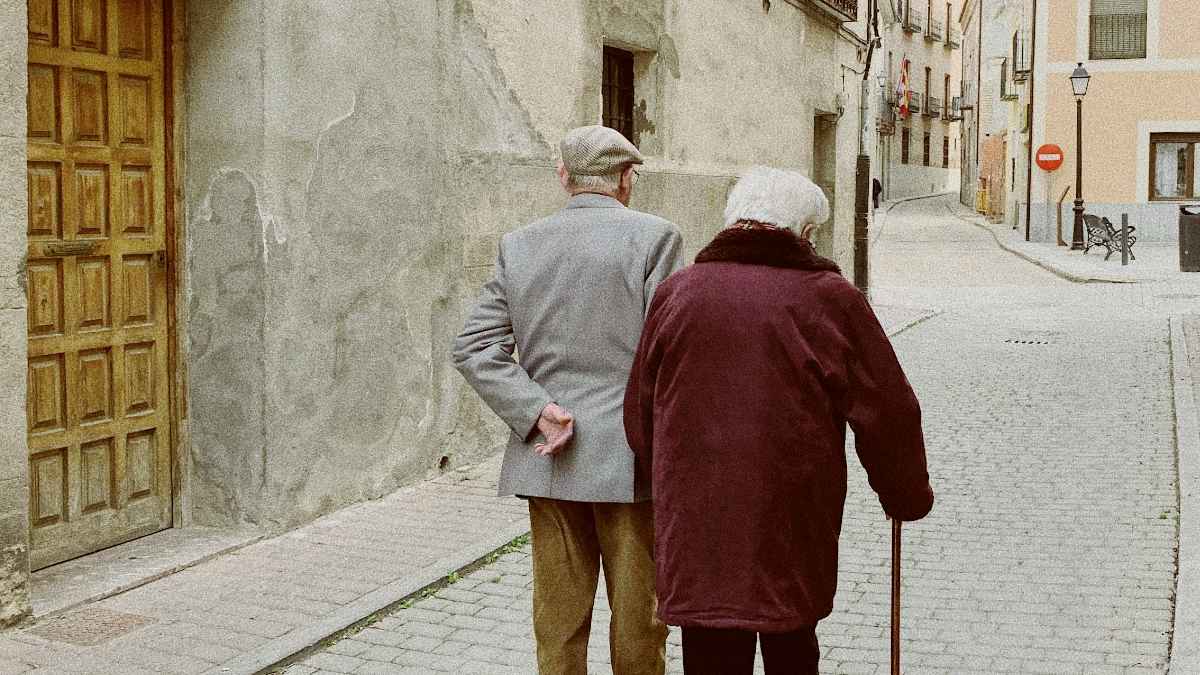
806	232
627	178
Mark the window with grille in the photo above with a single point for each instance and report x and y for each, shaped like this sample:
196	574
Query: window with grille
1020	54
1008	88
905	138
946	152
618	92
1174	166
1118	29
928	138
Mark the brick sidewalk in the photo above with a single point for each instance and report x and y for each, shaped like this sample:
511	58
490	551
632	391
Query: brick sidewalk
244	611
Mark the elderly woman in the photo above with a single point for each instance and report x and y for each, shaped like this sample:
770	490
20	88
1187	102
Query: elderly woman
750	365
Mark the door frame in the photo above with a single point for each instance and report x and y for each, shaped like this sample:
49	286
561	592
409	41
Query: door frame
174	66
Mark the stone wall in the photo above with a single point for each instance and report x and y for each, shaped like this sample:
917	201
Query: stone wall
349	171
14	455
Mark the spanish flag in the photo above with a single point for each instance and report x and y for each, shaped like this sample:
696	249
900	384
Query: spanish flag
903	89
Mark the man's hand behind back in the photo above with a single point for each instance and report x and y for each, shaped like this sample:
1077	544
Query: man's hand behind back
557	426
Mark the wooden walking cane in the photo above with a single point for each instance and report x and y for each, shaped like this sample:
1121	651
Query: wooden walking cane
895	597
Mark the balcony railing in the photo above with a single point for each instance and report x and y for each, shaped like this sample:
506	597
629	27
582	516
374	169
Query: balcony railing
953	38
1118	36
842	10
914	103
933	107
953	111
934	32
914	19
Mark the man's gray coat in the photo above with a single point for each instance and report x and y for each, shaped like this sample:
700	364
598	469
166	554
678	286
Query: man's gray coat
569	295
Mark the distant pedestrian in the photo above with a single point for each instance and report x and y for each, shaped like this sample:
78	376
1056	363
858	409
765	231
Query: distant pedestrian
569	294
876	191
751	363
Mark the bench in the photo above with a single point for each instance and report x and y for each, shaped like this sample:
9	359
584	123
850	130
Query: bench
1102	233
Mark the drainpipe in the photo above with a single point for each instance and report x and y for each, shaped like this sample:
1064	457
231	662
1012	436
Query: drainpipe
1029	143
863	168
978	104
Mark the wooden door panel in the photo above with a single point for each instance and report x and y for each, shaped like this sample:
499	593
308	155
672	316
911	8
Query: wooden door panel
91	200
48	482
89	92
133	29
43	103
98	392
88	25
45	200
97	468
95	294
95	392
44	279
47	400
137	201
43	22
136	111
140	382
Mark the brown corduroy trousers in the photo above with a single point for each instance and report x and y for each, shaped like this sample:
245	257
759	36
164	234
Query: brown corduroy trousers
571	540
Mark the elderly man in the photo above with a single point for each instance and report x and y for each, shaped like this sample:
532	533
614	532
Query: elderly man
751	363
569	295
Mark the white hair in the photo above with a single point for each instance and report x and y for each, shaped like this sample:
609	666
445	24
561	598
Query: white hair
608	183
781	198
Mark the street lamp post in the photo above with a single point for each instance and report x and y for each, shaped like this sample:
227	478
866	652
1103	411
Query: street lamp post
1079	84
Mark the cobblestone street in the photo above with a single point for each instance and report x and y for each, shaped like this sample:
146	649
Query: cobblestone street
1052	546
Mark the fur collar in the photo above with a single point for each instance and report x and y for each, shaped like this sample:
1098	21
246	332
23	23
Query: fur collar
775	248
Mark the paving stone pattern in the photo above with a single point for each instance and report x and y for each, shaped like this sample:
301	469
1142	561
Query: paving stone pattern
222	609
1052	545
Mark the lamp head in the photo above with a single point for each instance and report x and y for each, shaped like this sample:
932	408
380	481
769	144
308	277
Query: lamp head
1079	81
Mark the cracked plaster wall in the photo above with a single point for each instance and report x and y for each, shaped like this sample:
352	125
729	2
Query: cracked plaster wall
14	454
349	170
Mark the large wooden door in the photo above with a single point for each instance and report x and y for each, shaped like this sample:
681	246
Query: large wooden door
99	418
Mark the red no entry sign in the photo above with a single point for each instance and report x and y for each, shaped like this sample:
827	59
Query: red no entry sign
1049	157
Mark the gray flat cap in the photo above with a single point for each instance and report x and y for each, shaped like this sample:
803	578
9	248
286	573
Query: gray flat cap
597	151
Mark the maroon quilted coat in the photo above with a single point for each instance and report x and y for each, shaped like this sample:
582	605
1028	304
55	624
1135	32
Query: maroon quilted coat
750	365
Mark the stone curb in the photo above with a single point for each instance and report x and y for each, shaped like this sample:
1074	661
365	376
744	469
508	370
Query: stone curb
905	200
913	323
282	649
1046	265
1184	658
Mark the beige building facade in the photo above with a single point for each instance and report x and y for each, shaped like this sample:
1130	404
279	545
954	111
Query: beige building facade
1141	120
236	237
918	154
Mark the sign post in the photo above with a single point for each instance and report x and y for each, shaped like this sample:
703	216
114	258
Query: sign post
1049	158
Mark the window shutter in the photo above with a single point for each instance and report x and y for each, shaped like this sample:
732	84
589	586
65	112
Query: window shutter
1110	7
